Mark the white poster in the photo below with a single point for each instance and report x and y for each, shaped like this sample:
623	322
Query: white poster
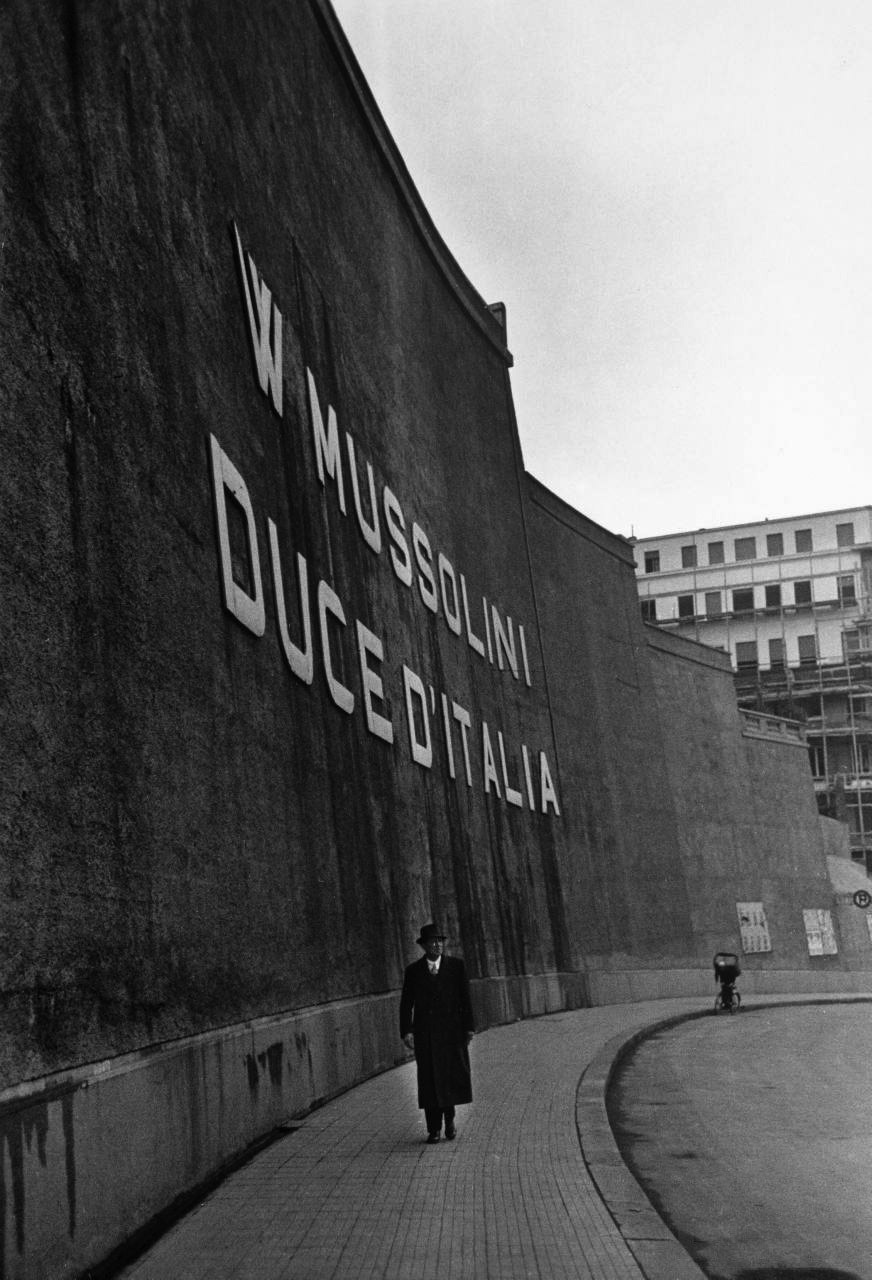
820	933
753	927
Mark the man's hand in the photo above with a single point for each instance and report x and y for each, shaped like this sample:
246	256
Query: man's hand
409	1040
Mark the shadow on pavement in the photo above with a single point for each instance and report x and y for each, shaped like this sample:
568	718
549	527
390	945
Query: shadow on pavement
791	1273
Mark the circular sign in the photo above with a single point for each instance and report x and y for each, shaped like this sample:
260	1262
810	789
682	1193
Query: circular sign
862	898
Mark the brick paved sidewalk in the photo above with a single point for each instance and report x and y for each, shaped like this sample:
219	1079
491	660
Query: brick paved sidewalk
355	1192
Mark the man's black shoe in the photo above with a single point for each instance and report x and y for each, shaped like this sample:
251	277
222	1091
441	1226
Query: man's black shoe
450	1132
433	1137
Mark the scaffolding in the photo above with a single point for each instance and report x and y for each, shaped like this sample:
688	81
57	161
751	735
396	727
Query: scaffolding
841	778
826	633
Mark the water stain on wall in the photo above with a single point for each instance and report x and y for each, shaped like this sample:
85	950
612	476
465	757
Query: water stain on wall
22	1127
270	1061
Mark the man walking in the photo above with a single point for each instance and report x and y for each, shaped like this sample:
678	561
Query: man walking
436	1021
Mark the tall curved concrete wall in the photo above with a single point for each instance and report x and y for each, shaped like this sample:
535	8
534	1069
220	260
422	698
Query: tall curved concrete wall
677	806
296	654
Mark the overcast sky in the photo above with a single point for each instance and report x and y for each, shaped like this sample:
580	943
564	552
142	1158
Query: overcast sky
673	199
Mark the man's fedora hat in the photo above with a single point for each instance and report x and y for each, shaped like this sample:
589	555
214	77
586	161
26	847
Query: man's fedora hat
429	932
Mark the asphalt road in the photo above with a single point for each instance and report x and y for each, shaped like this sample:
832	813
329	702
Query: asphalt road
752	1134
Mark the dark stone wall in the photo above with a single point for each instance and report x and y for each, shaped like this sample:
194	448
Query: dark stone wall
745	806
675	809
193	834
629	898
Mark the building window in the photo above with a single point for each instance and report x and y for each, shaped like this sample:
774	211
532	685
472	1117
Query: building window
745	548
803	539
652	561
855	813
649	610
688	557
807	649
863	757
685	606
847	589
845	534
746	655
713	604
775	544
773	596
776	654
716	553
816	757
743	600
858	640
802	592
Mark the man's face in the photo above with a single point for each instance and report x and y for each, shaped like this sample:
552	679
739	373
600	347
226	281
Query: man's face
434	948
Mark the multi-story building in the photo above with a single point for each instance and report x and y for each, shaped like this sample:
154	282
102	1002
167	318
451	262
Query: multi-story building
791	601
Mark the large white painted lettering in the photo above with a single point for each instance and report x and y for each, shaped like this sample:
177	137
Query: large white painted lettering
310	619
418	719
424	559
464	719
264	326
473	640
370	529
370	646
488	762
437	581
512	794
549	795
329	603
504	640
448	587
300	660
247	607
327	456
396	523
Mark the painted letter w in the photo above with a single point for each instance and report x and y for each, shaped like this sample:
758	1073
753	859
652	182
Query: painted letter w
264	324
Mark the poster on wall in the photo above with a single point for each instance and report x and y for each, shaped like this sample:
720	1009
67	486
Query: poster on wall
820	933
753	927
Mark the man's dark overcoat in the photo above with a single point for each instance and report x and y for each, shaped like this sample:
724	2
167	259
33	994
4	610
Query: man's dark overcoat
438	1012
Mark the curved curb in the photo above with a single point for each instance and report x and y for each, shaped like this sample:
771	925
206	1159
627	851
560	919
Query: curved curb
657	1251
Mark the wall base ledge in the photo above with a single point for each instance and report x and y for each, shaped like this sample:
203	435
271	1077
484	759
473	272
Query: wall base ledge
124	1141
